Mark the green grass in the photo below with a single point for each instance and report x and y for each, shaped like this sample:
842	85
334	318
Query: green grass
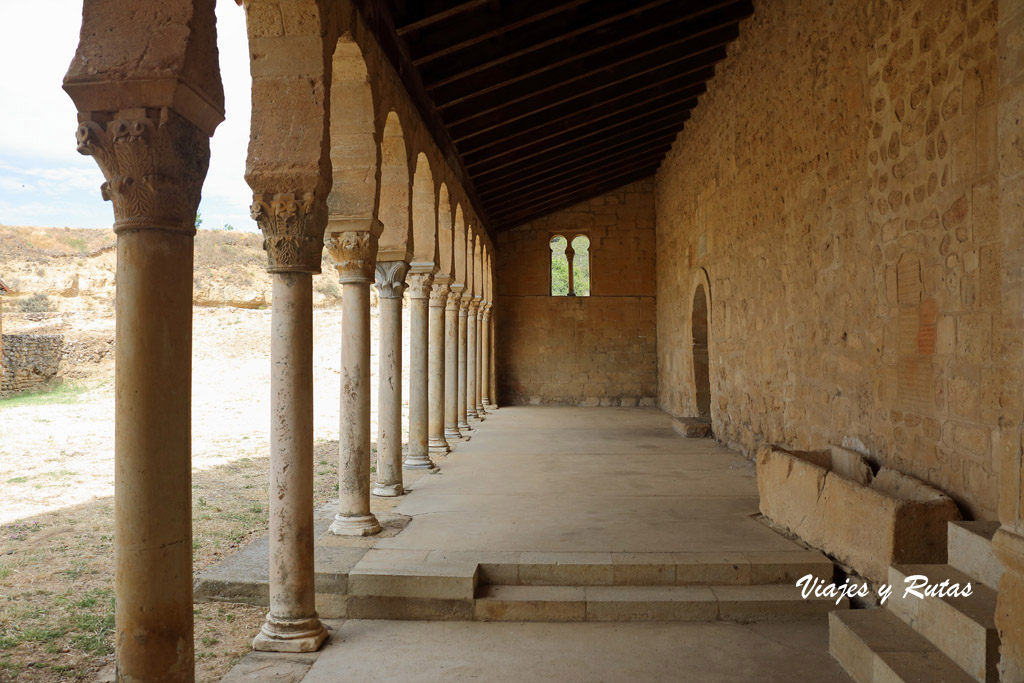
59	394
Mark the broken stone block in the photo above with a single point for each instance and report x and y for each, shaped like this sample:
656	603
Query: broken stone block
692	427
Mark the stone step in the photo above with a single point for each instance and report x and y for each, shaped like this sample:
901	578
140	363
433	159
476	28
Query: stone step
962	628
647	603
876	646
434	580
969	549
649	569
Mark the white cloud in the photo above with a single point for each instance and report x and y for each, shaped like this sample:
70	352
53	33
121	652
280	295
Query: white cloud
42	176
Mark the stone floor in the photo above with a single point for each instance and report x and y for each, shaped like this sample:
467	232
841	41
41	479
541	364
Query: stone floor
431	652
548	487
615	480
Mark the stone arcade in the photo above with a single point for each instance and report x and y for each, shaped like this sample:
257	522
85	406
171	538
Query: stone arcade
792	223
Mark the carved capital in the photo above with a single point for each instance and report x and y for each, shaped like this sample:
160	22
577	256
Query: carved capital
474	306
354	254
464	305
391	279
485	311
454	300
419	285
293	231
154	163
440	294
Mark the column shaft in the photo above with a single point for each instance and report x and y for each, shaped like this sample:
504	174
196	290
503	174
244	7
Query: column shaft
390	287
354	253
153	456
451	366
485	359
480	362
436	380
493	359
418	456
471	364
463	332
292	624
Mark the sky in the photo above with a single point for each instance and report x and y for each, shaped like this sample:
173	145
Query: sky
43	179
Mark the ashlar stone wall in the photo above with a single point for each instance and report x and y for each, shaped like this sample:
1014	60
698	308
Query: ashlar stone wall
837	190
596	350
29	361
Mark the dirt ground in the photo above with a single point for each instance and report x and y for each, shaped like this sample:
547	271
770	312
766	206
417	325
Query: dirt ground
56	487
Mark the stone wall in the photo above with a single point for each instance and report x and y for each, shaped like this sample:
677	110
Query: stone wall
29	361
837	191
596	350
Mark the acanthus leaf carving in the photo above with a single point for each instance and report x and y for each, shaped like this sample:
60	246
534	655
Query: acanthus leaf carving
454	301
420	285
354	254
292	225
153	168
440	294
391	279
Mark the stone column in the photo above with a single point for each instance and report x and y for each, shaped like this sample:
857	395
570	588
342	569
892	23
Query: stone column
293	239
354	254
570	255
436	381
390	287
463	334
485	357
471	358
493	355
155	225
451	363
480	361
418	457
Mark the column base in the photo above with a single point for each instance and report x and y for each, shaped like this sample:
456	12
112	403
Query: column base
471	414
387	490
290	635
362	525
464	427
438	447
418	462
452	435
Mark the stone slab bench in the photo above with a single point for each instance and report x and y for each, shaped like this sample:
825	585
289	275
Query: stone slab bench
833	501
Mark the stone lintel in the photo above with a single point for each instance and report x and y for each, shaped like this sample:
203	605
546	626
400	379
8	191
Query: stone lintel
94	96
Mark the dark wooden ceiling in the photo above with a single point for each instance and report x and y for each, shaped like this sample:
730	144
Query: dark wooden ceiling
545	104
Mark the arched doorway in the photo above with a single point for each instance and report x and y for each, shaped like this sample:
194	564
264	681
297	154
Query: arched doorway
701	365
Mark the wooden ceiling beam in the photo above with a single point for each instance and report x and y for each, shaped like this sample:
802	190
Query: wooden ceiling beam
623	157
550	34
513	220
433	16
653	30
542	194
669	77
678	94
543	173
665	115
541	164
591	75
441	42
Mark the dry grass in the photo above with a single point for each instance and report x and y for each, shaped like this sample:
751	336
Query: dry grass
56	576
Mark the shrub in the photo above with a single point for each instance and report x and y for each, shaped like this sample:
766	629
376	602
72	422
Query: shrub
37	303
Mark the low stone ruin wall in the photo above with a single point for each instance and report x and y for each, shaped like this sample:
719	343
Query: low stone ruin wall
29	361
